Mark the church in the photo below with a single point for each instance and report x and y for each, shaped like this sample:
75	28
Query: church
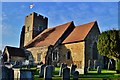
65	43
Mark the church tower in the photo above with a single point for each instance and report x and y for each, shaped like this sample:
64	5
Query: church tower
34	24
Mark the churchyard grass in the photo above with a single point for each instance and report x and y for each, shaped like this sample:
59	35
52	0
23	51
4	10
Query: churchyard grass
91	75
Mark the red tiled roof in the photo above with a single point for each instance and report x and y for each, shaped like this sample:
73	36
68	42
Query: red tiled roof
79	33
13	51
49	36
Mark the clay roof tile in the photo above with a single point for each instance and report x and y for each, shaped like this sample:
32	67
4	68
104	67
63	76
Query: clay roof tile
79	33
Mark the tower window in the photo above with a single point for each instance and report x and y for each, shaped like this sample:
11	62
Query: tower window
68	55
28	28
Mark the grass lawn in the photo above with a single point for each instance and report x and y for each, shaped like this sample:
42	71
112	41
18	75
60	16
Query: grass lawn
92	75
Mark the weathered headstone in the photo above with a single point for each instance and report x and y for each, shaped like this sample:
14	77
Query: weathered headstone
7	74
16	74
66	74
88	69
48	72
41	72
61	68
89	64
98	69
85	70
94	64
73	68
75	75
53	69
26	74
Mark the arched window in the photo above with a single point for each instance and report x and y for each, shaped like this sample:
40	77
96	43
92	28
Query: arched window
68	55
55	56
95	51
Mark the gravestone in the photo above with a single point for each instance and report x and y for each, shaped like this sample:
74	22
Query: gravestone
73	68
86	70
75	75
66	74
94	64
61	68
98	69
16	74
89	64
26	74
41	72
48	72
53	69
7	73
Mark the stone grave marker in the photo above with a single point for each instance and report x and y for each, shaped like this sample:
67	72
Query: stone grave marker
89	64
41	72
48	72
61	68
75	75
16	73
73	68
94	64
86	70
26	74
7	73
66	74
98	69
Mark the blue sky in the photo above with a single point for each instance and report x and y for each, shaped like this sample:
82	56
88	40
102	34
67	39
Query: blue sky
13	15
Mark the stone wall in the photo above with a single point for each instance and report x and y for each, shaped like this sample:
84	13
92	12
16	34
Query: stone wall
77	54
39	50
90	41
16	58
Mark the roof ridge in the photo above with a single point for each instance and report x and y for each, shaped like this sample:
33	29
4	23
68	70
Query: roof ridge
87	23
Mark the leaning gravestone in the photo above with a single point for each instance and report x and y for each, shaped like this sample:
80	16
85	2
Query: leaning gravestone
88	69
89	65
98	69
73	68
48	72
75	75
94	64
41	72
53	69
7	73
61	68
66	74
26	74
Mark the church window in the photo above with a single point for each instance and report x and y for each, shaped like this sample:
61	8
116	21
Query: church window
54	55
38	57
68	55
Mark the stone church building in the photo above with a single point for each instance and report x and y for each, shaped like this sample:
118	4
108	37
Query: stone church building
65	43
